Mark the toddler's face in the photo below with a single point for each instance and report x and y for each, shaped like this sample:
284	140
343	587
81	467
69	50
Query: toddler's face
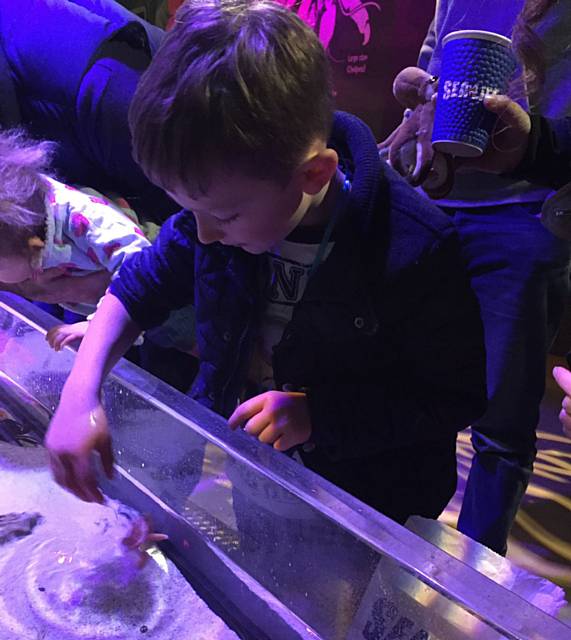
244	212
15	269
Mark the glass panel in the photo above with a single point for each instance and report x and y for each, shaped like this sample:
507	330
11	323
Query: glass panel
341	569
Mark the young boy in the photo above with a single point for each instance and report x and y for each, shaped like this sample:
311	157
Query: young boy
328	294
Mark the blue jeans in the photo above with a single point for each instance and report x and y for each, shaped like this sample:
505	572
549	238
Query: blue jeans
519	272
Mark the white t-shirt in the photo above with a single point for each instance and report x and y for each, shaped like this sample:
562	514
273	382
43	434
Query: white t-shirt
290	264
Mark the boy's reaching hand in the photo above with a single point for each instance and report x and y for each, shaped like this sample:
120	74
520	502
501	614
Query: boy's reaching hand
63	334
78	428
279	418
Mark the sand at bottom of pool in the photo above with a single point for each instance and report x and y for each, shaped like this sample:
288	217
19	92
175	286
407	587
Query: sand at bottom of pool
71	578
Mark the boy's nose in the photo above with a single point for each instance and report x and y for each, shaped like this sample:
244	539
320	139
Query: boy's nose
208	233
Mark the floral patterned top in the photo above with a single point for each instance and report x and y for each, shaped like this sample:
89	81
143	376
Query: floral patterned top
86	232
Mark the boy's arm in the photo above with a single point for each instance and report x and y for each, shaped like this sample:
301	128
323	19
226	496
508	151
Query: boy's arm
159	279
79	425
435	388
150	284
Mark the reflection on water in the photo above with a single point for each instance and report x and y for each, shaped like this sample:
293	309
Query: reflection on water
72	577
70	587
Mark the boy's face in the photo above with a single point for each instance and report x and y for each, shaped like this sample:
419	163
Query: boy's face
244	212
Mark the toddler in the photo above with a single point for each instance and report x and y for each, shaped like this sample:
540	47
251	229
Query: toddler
45	223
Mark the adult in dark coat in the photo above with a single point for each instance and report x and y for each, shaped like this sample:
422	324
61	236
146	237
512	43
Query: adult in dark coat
68	70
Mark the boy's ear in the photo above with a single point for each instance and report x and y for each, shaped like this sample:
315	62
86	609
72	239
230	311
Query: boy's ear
318	171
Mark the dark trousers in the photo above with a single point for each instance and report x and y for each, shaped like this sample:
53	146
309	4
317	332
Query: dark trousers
519	272
416	480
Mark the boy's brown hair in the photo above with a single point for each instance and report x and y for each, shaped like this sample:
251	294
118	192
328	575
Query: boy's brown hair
23	188
236	85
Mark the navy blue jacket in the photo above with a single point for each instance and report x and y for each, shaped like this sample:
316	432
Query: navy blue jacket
548	156
387	339
72	67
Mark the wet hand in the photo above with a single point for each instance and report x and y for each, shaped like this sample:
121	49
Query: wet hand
279	418
61	335
78	428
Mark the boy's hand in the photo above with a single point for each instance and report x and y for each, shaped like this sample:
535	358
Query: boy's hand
78	428
63	334
279	418
563	378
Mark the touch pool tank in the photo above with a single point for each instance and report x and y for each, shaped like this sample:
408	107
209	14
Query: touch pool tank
259	547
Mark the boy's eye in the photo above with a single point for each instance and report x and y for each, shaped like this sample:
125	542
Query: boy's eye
230	219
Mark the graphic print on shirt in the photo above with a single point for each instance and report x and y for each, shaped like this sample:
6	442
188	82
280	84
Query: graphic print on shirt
285	287
290	264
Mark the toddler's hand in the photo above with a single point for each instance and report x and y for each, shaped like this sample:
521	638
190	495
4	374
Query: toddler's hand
63	334
279	418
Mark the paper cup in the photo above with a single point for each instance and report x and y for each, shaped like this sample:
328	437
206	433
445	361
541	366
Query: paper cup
474	64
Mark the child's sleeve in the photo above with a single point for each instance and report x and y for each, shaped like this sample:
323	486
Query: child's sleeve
435	387
103	233
159	279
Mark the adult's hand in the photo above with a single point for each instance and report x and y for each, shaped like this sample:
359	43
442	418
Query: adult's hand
54	286
508	142
78	428
563	378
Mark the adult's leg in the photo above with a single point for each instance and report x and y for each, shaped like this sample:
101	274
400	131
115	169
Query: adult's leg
519	272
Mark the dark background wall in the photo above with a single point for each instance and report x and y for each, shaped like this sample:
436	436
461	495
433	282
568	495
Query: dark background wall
368	43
